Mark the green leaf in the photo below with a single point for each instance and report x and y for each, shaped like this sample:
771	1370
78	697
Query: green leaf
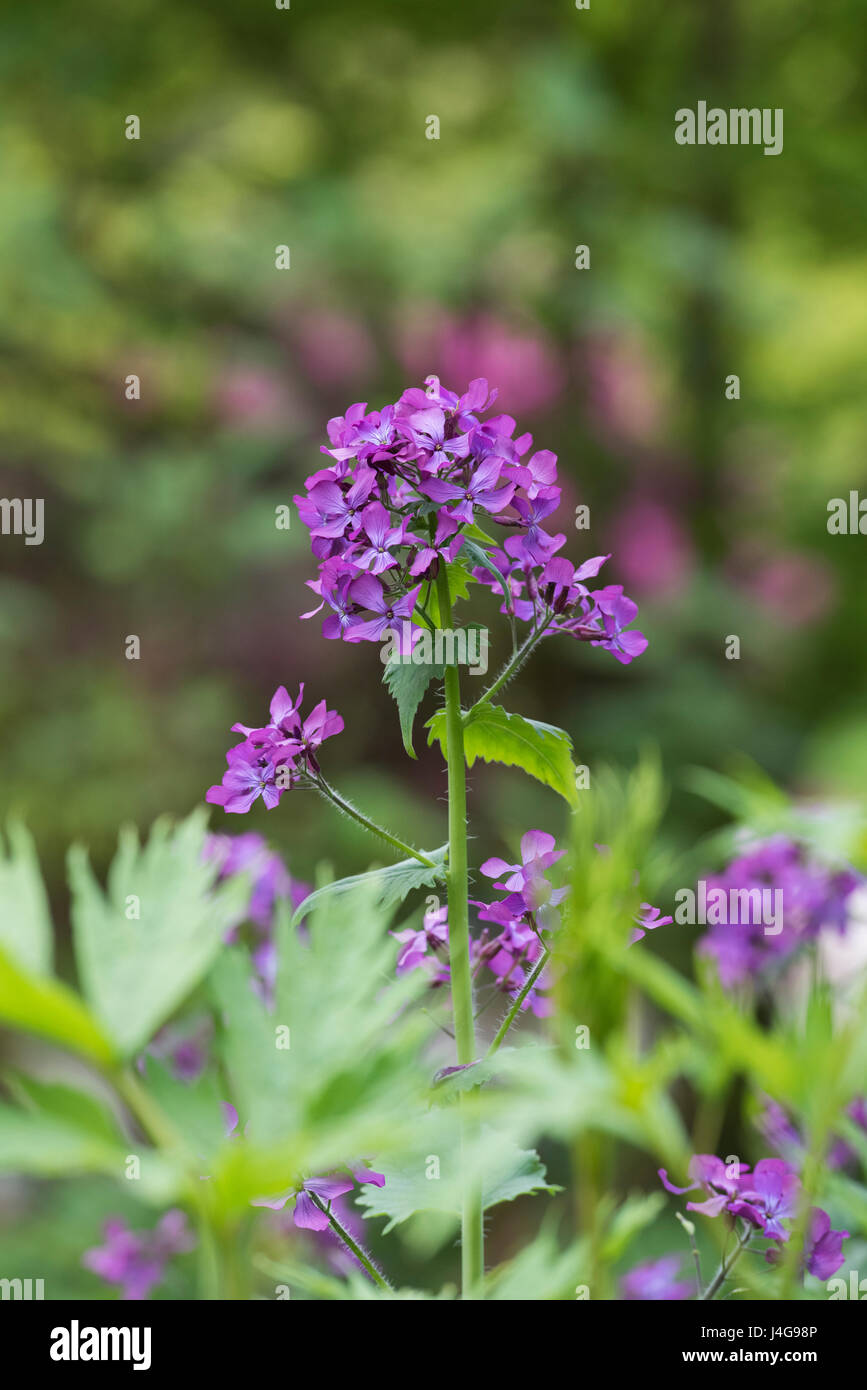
390	884
49	1009
316	1083
25	920
135	971
407	683
482	558
496	736
541	1272
67	1104
49	1145
460	580
505	1171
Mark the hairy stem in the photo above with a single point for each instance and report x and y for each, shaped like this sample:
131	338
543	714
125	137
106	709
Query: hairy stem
352	1245
349	810
517	1002
726	1267
510	669
472	1227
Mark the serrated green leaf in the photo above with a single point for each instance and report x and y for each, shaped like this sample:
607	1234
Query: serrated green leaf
25	920
496	736
135	972
505	1172
390	884
407	683
49	1009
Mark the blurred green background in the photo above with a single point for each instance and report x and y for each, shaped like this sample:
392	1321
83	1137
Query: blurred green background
306	127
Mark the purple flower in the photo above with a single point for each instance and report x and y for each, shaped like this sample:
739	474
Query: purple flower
136	1261
767	1196
275	757
184	1047
656	1281
528	888
427	431
313	1196
648	918
250	774
812	897
823	1248
368	592
480	491
433	936
375	551
271	882
711	1174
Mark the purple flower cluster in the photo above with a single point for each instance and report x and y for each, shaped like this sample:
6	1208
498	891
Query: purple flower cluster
136	1260
404	485
511	950
812	897
765	1198
271	881
528	909
270	760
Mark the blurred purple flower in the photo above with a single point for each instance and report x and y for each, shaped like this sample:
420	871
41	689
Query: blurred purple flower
656	1281
136	1261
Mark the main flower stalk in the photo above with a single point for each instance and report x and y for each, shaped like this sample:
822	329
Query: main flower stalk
472	1227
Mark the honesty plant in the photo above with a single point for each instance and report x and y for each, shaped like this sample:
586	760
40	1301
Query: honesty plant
401	523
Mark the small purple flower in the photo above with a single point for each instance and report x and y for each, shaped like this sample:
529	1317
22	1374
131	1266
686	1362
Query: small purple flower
433	936
368	592
714	1176
313	1196
656	1281
481	491
648	918
250	774
136	1261
767	1196
823	1248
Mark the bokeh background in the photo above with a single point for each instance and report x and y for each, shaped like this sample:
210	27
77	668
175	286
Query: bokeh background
306	127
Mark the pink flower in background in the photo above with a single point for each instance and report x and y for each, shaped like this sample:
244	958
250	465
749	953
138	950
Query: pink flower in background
793	587
252	397
523	362
334	348
623	391
652	547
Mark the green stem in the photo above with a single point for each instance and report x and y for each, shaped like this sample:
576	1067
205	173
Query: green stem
349	810
352	1245
472	1222
726	1267
517	1002
162	1133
